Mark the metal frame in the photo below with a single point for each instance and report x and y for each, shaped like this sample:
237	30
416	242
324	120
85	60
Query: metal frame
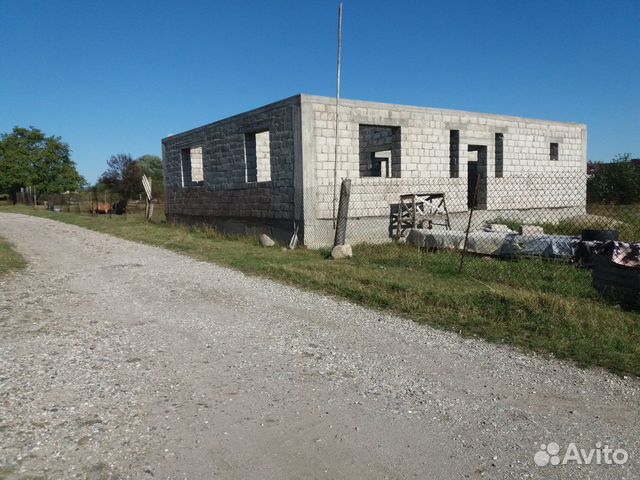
421	210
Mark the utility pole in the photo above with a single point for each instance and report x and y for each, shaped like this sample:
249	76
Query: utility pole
335	160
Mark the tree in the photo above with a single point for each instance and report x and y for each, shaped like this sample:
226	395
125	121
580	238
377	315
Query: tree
151	166
123	176
28	157
616	182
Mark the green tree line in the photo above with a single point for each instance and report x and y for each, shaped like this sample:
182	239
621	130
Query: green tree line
124	176
30	158
616	182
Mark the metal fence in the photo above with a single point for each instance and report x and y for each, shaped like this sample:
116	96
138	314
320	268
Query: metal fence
96	203
535	215
541	214
561	216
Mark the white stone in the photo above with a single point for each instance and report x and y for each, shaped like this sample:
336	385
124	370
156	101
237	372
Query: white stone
342	251
266	241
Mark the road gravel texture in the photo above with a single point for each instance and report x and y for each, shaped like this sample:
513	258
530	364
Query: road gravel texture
120	360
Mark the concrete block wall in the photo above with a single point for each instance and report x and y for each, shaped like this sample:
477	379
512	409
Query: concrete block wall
225	198
530	178
538	190
263	156
195	156
294	165
373	138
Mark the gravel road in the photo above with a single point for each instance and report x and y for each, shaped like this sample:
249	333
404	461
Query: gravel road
119	360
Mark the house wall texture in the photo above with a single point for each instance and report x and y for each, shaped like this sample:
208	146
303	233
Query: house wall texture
225	198
531	180
371	139
301	148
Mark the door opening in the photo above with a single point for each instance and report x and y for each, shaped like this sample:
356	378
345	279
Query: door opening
477	176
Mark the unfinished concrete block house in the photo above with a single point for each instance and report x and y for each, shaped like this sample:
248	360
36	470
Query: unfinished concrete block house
266	169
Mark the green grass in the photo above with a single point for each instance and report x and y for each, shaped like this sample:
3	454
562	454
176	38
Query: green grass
626	216
9	258
535	305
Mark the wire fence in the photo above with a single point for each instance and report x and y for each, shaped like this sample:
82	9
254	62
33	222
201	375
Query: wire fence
560	216
95	203
534	215
555	217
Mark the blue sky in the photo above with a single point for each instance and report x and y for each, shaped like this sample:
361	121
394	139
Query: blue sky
117	76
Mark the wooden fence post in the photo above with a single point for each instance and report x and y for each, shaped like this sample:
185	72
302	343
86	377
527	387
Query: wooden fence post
343	213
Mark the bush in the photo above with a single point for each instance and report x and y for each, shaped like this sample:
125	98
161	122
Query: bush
617	182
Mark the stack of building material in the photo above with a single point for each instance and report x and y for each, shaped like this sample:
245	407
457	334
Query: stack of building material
497	243
615	269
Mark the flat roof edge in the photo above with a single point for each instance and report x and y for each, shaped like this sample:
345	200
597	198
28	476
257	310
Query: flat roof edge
304	97
367	103
292	99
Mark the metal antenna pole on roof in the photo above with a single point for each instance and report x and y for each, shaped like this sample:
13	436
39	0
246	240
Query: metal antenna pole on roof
335	160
